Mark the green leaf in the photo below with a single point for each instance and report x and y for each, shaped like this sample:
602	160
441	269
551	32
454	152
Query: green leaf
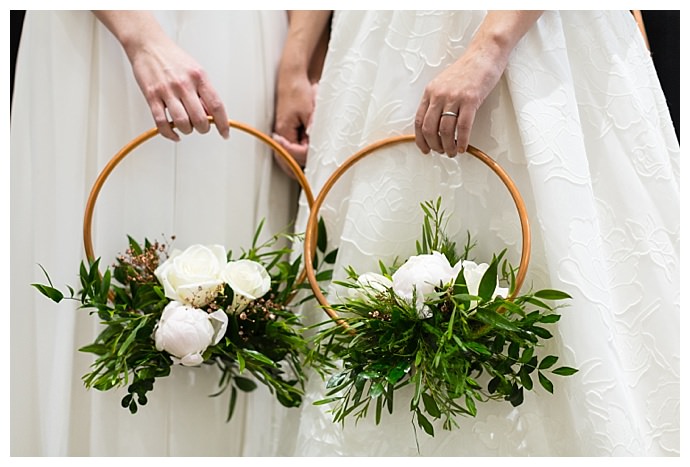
478	348
425	424
495	319
98	349
50	292
460	285
541	332
550	294
241	362
487	285
565	371
330	257
430	405
322	240
397	373
517	397
379	407
130	338
493	384
525	378
376	390
136	248
548	362
327	400
244	384
514	350
549	319
258	356
231	404
105	286
471	406
526	355
545	382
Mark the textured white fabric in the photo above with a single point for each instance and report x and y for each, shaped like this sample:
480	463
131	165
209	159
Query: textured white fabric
580	124
75	105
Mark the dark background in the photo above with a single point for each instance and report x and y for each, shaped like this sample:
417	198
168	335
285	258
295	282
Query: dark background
663	33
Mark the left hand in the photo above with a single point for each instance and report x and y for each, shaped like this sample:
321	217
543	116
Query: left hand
294	111
460	89
445	116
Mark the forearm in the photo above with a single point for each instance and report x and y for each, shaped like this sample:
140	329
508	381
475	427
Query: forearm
500	32
174	85
304	45
135	30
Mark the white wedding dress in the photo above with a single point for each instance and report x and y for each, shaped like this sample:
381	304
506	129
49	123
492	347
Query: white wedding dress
580	124
75	105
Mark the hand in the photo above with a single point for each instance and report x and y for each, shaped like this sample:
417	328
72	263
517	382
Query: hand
294	111
460	89
177	88
445	115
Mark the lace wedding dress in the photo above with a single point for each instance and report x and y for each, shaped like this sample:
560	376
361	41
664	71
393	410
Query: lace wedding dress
580	124
75	105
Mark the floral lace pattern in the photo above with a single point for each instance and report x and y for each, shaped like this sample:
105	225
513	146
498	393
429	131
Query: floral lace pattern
580	124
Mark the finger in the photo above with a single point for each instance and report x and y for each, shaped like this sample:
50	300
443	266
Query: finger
179	116
446	129
298	151
286	129
214	107
464	127
162	122
196	113
430	128
419	138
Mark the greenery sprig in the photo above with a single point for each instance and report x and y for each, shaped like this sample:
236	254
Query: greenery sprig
263	336
457	347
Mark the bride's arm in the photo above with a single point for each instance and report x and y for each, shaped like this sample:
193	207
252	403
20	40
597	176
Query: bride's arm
299	69
464	85
168	77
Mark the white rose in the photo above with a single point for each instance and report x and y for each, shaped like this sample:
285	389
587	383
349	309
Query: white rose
248	279
193	276
185	332
373	283
423	273
473	274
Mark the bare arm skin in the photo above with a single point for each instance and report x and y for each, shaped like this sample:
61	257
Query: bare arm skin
172	82
463	86
298	73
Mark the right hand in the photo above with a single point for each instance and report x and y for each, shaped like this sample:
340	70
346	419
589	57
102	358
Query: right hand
176	88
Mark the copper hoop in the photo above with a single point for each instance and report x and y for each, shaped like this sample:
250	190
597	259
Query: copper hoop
117	158
312	223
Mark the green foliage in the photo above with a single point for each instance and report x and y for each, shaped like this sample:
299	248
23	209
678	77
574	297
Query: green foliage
471	349
265	341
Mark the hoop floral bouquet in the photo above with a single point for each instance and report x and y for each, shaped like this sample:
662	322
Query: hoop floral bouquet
442	324
193	307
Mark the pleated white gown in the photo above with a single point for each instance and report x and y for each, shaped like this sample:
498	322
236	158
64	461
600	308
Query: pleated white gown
75	105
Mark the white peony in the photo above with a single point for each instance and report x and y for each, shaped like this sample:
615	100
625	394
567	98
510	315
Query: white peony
192	276
248	279
185	332
369	283
423	273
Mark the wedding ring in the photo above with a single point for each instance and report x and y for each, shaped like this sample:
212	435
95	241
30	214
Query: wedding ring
449	114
